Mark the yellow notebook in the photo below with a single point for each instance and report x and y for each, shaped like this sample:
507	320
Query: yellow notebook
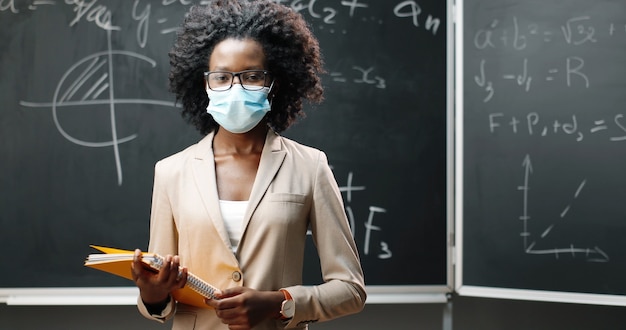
118	262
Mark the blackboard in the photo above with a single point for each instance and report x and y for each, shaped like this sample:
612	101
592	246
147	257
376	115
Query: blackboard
544	134
86	114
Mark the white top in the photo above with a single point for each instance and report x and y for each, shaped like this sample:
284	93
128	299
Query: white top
232	214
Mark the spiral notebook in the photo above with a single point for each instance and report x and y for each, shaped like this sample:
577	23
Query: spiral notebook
118	262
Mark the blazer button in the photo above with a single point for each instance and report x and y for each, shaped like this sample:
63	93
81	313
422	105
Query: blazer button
236	276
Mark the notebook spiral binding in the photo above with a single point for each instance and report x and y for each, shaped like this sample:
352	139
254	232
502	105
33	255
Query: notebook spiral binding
194	282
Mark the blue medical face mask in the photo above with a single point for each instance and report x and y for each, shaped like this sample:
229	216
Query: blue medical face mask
238	110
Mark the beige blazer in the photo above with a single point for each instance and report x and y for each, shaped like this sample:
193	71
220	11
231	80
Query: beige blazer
294	190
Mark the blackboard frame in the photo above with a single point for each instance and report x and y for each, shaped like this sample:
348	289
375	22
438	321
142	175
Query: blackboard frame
377	293
461	286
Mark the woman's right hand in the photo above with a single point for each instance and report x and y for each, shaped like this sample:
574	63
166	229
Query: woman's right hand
155	288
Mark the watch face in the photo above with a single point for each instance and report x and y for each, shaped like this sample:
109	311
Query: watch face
288	309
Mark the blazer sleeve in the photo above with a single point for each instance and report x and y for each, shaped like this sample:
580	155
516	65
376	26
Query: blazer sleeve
162	235
343	290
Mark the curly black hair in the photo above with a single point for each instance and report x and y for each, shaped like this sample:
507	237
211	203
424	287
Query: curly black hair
291	51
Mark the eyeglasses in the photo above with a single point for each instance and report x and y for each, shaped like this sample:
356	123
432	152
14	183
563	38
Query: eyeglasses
252	80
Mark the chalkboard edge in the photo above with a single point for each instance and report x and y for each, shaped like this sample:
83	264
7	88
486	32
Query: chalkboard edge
542	295
93	296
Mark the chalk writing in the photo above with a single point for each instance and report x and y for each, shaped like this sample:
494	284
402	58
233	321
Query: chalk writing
585	33
143	19
594	254
532	125
363	77
414	12
378	81
384	250
522	79
98	14
8	5
37	3
573	75
329	14
575	31
182	2
481	81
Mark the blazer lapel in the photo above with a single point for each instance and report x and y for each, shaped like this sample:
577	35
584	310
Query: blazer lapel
203	167
272	158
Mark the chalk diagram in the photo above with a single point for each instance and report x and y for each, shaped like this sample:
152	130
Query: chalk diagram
90	82
594	254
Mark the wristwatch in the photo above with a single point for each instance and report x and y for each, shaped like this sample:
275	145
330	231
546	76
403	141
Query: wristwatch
288	307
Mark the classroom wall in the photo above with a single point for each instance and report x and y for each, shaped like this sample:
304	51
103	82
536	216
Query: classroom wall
468	313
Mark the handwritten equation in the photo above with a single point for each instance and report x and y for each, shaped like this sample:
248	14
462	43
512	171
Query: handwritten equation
528	38
575	31
326	12
571	69
612	128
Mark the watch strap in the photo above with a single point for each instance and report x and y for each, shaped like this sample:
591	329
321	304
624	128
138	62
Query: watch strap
287	298
287	294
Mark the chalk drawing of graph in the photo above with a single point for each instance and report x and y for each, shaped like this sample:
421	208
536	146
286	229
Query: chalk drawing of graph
593	254
90	83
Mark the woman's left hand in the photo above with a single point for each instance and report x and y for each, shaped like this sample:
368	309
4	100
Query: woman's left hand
243	308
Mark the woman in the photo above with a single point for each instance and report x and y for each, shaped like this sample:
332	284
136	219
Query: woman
235	207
